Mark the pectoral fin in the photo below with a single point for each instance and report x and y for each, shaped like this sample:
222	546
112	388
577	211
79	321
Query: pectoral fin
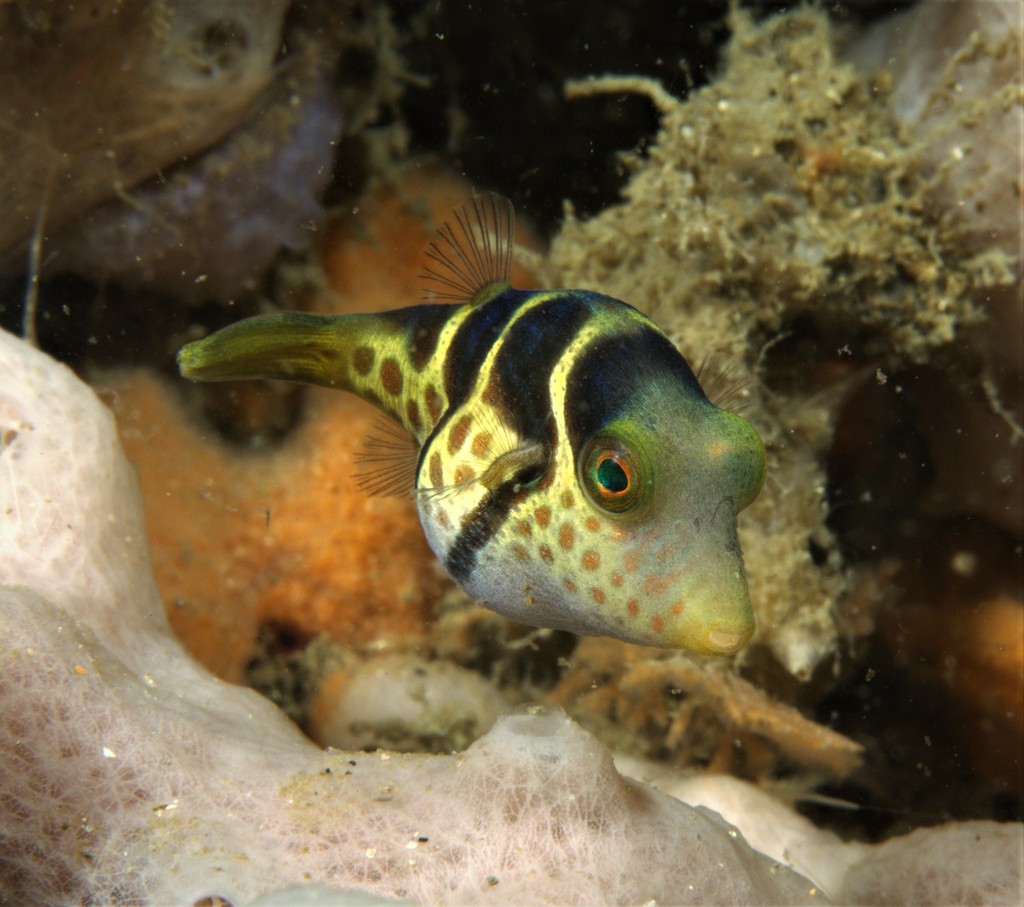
524	465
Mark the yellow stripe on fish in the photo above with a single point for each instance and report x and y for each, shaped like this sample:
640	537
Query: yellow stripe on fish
570	471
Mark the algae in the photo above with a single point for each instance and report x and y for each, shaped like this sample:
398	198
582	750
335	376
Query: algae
780	211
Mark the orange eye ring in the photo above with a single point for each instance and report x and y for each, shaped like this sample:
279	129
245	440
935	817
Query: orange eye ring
610	475
613	474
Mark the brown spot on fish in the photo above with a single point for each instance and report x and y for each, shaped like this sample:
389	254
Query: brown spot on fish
442	518
567	499
593	523
633	607
391	376
492	392
543	516
631	561
481	444
363	359
521	553
569	585
525	529
464	474
616	579
460	431
436	472
598	595
412	416
591	560
545	554
433	401
424	342
658	623
566	536
678	608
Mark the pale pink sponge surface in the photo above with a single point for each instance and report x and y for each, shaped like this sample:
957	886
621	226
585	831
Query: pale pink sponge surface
129	775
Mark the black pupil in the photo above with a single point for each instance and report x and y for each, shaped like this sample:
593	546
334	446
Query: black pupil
611	476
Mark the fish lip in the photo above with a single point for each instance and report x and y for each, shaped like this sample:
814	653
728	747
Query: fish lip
722	641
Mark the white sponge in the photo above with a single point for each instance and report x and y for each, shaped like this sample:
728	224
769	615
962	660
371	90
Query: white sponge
128	774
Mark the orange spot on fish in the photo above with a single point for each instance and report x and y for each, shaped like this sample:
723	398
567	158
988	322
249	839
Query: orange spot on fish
525	529
436	473
520	552
591	560
616	579
567	500
481	444
633	607
546	555
598	595
460	431
543	516
658	623
631	561
678	608
593	523
566	536
570	585
655	585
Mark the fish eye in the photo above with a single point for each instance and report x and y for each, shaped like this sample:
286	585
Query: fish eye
610	475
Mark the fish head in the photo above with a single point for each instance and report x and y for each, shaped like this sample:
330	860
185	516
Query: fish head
629	529
660	491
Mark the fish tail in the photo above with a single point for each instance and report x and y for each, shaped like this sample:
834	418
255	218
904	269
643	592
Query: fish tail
382	358
287	346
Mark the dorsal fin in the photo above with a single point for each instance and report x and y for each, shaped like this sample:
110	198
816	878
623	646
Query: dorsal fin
474	249
723	381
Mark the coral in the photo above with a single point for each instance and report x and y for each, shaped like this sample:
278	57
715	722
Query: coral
206	229
694	713
970	863
956	80
956	83
405	703
165	80
956	863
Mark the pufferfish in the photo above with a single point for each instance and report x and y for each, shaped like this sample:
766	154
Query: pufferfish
569	470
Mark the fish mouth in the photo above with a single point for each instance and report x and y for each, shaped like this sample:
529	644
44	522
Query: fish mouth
723	641
720	639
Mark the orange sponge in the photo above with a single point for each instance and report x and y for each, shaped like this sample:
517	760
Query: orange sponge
241	538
